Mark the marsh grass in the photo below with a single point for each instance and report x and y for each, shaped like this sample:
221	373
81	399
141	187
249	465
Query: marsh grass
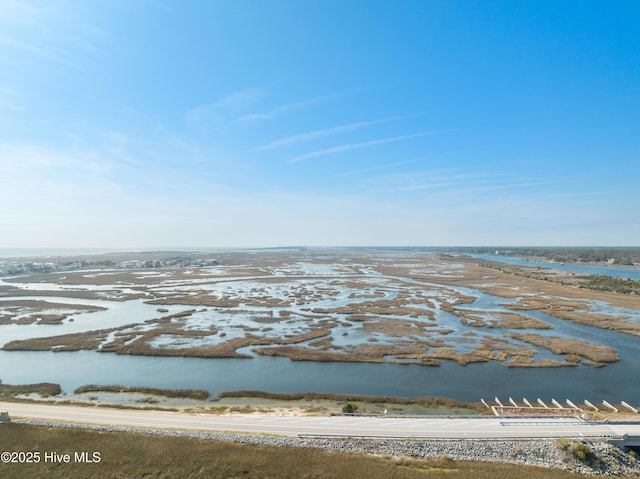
604	321
370	352
64	342
557	283
312	396
199	394
572	348
395	327
43	389
133	455
423	352
390	307
38	311
498	319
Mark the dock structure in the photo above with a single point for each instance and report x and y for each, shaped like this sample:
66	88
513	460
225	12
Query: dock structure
613	408
591	405
557	404
514	409
526	408
570	403
520	411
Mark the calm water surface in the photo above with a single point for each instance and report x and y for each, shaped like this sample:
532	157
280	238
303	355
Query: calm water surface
615	382
631	272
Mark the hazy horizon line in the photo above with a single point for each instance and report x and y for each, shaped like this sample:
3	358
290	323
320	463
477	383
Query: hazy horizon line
17	251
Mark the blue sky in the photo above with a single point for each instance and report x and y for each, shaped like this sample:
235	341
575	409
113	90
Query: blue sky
271	123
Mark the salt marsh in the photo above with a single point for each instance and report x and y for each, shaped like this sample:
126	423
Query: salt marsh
399	308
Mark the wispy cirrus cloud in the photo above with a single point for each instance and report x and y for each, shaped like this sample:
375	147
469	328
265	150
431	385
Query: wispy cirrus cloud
455	186
9	105
298	105
225	108
357	146
316	134
415	180
31	48
32	33
377	167
23	12
234	108
389	165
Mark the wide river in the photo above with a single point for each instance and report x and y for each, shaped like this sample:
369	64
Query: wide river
630	272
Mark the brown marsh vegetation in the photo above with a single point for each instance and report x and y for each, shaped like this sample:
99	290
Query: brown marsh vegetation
39	311
43	389
200	394
270	303
573	349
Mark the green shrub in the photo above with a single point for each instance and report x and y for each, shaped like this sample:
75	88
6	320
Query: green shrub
582	453
349	408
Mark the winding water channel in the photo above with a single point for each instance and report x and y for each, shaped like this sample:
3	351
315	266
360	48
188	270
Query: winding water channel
613	382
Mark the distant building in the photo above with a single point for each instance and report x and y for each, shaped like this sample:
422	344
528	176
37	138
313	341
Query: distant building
131	264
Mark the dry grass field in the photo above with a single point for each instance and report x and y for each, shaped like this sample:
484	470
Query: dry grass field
133	455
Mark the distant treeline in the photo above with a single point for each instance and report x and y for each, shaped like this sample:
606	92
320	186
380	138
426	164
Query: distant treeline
605	283
619	255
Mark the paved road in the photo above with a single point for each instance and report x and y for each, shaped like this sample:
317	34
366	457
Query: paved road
353	426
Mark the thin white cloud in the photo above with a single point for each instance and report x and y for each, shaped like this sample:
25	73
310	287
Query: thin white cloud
443	179
279	110
377	167
357	146
22	12
314	135
231	108
239	100
389	165
225	108
475	190
32	48
52	33
9	105
298	105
